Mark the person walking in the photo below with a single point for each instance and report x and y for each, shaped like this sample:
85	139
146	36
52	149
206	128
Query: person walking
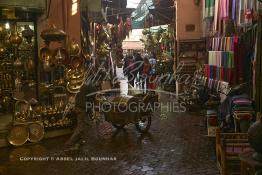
129	69
139	64
152	74
145	73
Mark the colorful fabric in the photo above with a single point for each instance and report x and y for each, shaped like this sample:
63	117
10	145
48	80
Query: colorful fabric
209	8
224	9
221	58
241	12
223	43
242	108
216	16
234	9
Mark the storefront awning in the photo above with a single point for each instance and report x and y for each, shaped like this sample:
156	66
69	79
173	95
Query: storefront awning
140	14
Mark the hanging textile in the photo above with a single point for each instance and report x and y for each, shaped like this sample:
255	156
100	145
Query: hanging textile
221	66
221	58
222	43
234	9
216	11
224	9
209	8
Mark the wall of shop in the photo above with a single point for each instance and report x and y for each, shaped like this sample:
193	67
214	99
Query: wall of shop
188	20
60	15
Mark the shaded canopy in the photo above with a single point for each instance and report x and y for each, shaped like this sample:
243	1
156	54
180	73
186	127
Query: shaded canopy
140	14
154	12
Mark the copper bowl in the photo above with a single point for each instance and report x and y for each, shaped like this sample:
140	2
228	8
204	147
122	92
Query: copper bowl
36	132
75	74
74	88
76	81
18	135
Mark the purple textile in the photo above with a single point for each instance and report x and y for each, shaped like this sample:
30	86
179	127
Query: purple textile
242	102
234	9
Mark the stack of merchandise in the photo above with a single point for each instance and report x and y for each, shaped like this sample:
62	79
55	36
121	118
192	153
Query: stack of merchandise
243	113
242	104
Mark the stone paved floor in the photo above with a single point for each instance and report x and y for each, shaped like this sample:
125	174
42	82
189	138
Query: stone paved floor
175	146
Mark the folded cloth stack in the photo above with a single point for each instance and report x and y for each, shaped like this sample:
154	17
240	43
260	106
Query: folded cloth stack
242	105
237	104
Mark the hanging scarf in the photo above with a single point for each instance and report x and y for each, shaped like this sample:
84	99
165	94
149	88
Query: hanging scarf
209	8
216	15
224	9
234	9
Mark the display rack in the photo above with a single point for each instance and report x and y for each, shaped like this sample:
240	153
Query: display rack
18	69
35	88
191	52
18	63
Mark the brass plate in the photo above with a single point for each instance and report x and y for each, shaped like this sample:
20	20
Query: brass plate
74	87
75	74
36	132
72	91
73	82
18	135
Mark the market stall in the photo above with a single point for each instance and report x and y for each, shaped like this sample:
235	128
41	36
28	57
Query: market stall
39	80
18	73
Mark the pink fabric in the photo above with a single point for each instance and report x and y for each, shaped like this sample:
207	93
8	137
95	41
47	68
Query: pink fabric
238	150
224	9
245	101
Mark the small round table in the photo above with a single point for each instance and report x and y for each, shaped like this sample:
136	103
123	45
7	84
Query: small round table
249	166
